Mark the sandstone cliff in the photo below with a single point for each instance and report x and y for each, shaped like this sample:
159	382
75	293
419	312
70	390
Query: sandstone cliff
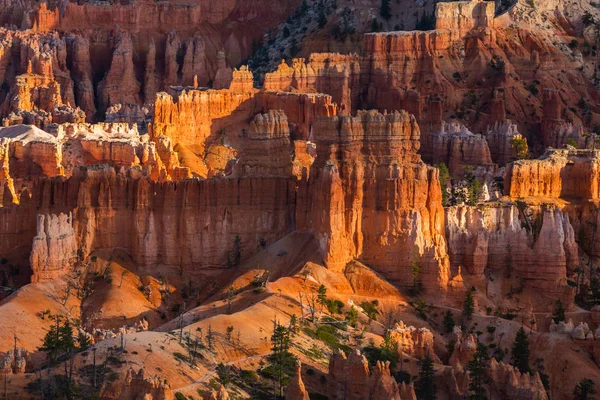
370	197
558	174
171	223
352	379
54	247
536	244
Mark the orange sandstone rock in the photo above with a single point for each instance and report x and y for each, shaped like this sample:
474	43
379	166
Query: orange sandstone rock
295	390
120	84
370	197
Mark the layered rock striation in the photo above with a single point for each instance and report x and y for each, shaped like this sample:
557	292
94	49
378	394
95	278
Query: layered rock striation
370	197
536	244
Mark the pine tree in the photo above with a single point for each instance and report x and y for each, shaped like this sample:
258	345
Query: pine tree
389	350
375	25
520	352
293	323
559	312
584	390
224	374
385	10
281	358
444	181
322	296
468	305
449	321
477	374
352	316
50	345
425	387
415	271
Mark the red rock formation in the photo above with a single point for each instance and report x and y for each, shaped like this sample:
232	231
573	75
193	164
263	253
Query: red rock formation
14	361
194	62
242	80
335	74
559	174
214	395
508	383
45	20
302	110
267	147
556	131
54	247
224	73
28	152
370	197
138	385
458	148
464	348
120	84
536	244
139	215
193	115
350	378
295	390
151	81
82	76
36	99
465	15
499	137
416	342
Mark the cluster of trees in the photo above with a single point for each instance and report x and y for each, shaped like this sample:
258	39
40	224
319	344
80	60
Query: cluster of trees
60	345
468	191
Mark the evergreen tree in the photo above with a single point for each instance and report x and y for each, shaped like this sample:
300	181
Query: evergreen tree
385	10
415	271
293	323
352	316
520	352
322	21
281	359
559	312
50	345
224	374
322	296
584	390
425	387
303	7
477	374
474	187
444	181
449	321
375	25
468	305
389	350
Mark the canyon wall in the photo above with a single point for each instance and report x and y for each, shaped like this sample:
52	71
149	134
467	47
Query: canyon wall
558	174
189	224
370	197
533	244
